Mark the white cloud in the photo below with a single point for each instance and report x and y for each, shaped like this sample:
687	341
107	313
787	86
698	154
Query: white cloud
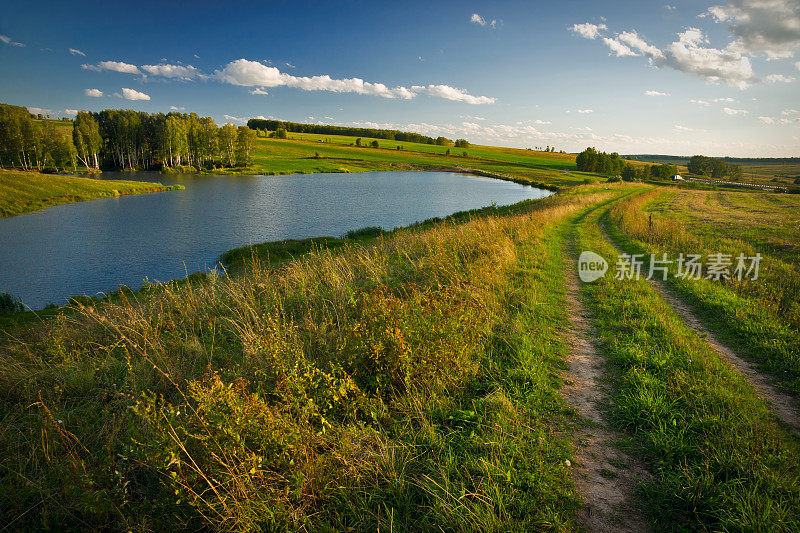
735	112
477	19
700	102
768	26
632	39
171	71
259	90
94	93
39	111
76	52
688	55
686	128
130	94
451	93
669	7
5	39
71	112
236	120
584	111
766	120
176	108
725	99
779	78
587	30
655	93
618	48
247	73
115	66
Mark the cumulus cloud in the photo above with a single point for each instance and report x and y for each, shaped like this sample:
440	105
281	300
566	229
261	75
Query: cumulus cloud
635	41
130	94
451	93
5	39
71	112
688	55
235	120
700	102
587	30
669	7
766	120
115	66
176	108
779	78
727	99
771	27
259	90
39	111
247	73
734	112
187	72
655	93
76	52
94	93
582	111
618	48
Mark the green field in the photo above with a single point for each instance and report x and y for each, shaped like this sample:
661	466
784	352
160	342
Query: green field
22	192
412	380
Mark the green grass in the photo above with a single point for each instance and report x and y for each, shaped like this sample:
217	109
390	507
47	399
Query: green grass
721	460
298	154
761	317
410	383
23	192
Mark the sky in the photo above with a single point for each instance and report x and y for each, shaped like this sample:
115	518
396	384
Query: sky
685	77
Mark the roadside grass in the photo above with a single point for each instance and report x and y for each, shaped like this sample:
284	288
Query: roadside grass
761	317
410	383
22	192
720	458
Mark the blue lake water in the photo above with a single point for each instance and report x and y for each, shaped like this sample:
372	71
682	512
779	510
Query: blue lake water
92	247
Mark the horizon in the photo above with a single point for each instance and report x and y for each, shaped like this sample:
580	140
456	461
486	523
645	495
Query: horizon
718	78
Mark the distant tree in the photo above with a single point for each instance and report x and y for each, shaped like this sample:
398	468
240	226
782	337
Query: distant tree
461	143
227	143
87	139
374	144
443	141
245	140
629	173
280	133
447	152
358	141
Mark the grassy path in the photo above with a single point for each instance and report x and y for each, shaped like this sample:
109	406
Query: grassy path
720	458
782	405
605	476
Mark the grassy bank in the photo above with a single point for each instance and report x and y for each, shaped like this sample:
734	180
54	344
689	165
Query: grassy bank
721	459
409	384
23	192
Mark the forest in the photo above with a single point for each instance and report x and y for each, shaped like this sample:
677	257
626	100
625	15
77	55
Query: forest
123	139
323	129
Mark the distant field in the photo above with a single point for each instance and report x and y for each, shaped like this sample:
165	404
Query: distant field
22	192
298	154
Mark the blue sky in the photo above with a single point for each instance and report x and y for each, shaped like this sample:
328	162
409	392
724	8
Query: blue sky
719	78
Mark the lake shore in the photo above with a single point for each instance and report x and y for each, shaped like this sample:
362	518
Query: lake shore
24	192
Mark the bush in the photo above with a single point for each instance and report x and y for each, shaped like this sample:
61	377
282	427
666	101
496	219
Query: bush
9	304
369	231
375	144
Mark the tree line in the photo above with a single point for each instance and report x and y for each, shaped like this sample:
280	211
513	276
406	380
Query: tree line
27	145
590	160
714	167
122	138
350	131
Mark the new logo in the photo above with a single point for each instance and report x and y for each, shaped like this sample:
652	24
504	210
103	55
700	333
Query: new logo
591	267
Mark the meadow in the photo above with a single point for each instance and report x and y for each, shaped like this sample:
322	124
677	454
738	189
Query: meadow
412	380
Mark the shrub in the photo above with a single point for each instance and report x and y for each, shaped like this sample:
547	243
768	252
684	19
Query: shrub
369	231
9	304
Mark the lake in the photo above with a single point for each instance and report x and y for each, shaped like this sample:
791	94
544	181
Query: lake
95	246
